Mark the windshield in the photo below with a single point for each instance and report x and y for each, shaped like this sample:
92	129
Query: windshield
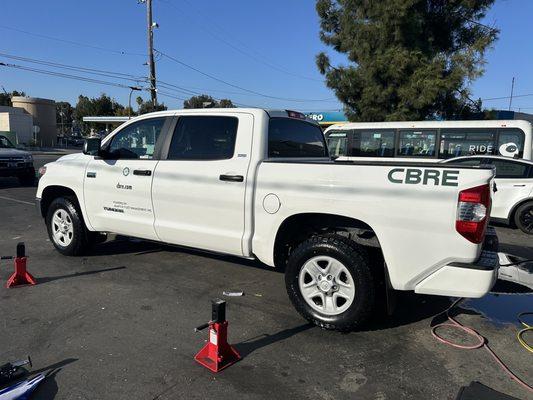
5	143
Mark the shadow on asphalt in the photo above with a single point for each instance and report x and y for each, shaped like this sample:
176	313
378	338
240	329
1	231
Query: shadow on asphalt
48	389
248	346
47	279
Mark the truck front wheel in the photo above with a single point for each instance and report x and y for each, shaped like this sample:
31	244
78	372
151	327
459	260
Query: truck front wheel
66	228
330	283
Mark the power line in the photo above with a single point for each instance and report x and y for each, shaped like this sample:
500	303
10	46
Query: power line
508	97
121	52
236	86
63	75
100	72
245	53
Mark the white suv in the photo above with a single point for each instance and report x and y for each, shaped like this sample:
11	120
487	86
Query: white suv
513	201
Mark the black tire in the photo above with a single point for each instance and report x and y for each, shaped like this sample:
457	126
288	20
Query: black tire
27	179
523	217
80	242
355	259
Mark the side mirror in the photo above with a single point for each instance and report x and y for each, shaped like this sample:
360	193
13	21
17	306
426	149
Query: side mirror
91	146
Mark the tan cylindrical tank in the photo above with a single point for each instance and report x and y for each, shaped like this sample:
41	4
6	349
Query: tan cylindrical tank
43	112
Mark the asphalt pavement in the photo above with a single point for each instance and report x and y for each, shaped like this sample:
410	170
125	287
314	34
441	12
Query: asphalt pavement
118	324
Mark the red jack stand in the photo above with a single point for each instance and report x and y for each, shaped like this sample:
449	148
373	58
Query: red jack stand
217	354
21	276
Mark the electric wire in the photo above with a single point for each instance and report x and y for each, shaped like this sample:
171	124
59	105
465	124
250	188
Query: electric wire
481	342
121	52
237	86
66	76
239	50
93	71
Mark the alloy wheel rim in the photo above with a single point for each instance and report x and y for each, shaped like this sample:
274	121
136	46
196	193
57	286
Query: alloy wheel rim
527	219
326	285
62	227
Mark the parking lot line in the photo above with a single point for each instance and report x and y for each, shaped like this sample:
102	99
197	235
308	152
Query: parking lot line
16	200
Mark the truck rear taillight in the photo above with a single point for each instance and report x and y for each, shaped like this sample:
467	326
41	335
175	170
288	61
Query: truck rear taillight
473	210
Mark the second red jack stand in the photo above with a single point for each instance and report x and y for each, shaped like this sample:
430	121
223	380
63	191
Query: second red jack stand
217	354
21	276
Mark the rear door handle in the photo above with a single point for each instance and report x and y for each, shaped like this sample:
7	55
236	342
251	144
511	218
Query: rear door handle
519	185
142	172
232	178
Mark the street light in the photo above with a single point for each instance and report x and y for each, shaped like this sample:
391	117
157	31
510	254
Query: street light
129	99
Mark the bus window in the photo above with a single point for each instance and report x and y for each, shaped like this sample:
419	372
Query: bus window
373	144
511	143
466	142
337	143
417	143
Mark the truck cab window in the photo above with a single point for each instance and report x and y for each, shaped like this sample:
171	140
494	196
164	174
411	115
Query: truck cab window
203	138
294	138
136	140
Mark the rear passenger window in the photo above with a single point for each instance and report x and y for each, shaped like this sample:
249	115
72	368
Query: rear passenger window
417	143
510	169
203	138
293	138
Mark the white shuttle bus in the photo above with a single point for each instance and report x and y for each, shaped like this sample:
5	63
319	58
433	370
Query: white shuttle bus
430	140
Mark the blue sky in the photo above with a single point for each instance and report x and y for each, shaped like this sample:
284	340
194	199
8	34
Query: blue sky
243	42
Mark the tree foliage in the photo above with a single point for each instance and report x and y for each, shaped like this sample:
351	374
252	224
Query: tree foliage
5	98
206	101
408	59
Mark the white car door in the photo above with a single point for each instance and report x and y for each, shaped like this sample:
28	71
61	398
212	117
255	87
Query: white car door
199	189
513	186
117	186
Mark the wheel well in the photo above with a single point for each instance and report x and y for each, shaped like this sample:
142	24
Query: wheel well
53	192
297	228
513	211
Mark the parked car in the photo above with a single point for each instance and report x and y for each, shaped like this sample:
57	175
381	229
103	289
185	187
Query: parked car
15	162
512	203
260	184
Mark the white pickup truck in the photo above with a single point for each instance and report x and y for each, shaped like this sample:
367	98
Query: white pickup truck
259	184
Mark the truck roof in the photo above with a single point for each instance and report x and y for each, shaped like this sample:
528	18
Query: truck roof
273	113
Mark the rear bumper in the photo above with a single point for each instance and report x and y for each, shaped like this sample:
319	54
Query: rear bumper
463	279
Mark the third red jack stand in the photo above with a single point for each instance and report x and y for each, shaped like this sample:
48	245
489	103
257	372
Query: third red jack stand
217	354
21	276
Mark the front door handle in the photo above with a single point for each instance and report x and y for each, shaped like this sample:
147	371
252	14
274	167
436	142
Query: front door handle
142	172
519	185
232	178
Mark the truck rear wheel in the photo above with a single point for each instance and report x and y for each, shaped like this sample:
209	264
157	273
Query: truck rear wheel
330	283
66	228
524	217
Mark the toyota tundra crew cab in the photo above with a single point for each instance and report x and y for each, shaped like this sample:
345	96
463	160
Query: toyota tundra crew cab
260	184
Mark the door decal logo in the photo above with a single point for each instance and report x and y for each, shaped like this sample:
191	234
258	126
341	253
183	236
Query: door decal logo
126	171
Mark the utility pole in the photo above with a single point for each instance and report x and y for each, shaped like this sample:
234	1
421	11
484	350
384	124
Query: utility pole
151	62
511	97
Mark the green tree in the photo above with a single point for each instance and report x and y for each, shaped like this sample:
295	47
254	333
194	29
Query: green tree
147	107
5	98
407	59
64	115
206	101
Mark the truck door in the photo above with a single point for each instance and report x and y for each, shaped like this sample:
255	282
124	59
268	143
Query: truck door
117	187
199	184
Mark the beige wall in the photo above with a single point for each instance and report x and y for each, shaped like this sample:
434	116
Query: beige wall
43	112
